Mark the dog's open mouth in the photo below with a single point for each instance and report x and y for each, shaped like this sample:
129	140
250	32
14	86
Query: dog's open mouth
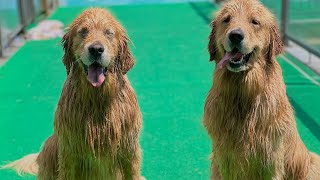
235	61
96	74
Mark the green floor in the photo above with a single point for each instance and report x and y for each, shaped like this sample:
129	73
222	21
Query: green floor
172	77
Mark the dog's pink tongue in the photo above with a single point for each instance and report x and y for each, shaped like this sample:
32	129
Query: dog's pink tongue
229	55
95	75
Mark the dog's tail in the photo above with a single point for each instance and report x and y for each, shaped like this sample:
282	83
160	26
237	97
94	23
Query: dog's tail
28	164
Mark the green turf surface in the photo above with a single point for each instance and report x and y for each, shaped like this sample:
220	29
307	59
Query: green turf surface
171	77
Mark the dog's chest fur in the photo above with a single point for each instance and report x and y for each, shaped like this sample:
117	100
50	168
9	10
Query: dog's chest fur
247	131
93	128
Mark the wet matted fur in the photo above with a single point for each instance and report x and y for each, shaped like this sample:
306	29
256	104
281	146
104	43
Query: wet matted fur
97	121
247	112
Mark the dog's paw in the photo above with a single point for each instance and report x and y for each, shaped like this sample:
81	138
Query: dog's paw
142	178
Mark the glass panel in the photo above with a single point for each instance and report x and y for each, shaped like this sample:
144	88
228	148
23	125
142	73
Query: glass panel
9	19
304	22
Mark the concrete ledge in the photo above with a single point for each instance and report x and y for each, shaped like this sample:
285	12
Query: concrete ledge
304	56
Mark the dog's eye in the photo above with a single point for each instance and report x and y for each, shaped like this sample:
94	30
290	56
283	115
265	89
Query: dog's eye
255	22
226	20
109	33
83	32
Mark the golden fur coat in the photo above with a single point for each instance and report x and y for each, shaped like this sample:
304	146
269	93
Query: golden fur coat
247	114
96	127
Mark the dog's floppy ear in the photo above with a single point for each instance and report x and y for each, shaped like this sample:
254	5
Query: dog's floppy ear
125	58
212	48
68	57
276	45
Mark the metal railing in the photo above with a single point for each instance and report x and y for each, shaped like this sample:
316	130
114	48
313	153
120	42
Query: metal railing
284	20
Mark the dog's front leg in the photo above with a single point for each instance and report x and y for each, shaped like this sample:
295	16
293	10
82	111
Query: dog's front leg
130	160
71	166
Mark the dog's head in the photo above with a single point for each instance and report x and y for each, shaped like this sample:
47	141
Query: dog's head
242	32
99	44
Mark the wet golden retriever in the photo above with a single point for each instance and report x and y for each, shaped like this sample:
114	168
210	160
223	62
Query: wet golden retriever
247	113
97	120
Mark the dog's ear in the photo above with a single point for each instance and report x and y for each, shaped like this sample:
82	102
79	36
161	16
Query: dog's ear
276	45
125	59
212	47
68	57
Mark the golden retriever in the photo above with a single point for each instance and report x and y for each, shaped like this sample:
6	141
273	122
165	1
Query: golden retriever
247	112
97	120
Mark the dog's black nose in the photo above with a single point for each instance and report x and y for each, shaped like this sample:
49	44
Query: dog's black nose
96	49
236	36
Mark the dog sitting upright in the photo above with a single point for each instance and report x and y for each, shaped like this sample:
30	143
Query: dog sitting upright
97	120
247	112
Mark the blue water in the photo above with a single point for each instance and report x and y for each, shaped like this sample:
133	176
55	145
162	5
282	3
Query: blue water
117	2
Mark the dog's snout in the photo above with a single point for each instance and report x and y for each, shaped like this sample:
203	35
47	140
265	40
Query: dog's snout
236	36
96	49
